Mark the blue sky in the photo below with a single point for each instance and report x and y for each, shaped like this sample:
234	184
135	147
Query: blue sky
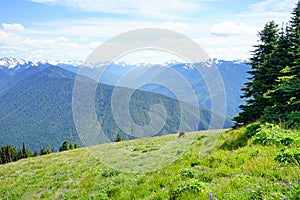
72	29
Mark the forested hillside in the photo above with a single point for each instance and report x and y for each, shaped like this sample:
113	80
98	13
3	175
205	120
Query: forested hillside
37	110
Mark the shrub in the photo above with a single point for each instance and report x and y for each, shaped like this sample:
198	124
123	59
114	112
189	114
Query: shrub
289	156
193	186
270	134
252	129
195	163
188	172
110	173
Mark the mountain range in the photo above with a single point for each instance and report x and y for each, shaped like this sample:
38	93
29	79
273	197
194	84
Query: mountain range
36	104
233	74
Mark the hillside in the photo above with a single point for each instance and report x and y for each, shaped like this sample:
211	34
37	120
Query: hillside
207	165
37	110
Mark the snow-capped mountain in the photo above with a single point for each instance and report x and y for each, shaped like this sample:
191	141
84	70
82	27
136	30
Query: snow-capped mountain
233	74
12	66
17	64
12	63
75	63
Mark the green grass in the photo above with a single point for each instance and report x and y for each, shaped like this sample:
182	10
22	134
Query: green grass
227	165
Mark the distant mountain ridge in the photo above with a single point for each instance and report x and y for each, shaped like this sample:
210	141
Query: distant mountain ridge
233	73
37	108
18	63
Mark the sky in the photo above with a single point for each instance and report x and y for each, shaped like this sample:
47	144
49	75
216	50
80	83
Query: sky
72	29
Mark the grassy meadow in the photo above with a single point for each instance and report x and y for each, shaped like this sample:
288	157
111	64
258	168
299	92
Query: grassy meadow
218	164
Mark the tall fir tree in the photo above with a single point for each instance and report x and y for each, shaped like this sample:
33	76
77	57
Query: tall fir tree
285	95
24	151
64	146
118	137
262	76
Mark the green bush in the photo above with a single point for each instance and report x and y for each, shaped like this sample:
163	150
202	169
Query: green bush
289	156
252	129
270	134
187	173
190	186
195	163
110	173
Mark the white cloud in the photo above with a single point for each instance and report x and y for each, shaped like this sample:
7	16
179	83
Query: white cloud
13	27
48	45
62	39
51	48
232	28
273	6
149	56
83	39
266	10
171	9
76	38
176	26
230	47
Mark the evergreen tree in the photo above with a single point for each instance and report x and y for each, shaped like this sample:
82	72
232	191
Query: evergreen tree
75	146
24	151
49	150
71	146
43	151
285	95
15	154
64	146
294	32
118	138
19	154
9	153
263	76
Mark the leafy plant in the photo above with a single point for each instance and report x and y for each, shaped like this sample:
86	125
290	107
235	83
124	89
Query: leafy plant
109	173
188	172
289	156
252	129
270	134
193	186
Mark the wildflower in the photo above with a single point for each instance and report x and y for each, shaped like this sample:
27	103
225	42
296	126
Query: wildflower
210	196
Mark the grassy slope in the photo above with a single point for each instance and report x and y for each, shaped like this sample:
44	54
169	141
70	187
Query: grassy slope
247	171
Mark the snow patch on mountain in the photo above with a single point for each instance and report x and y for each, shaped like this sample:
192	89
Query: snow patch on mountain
16	64
76	63
12	63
